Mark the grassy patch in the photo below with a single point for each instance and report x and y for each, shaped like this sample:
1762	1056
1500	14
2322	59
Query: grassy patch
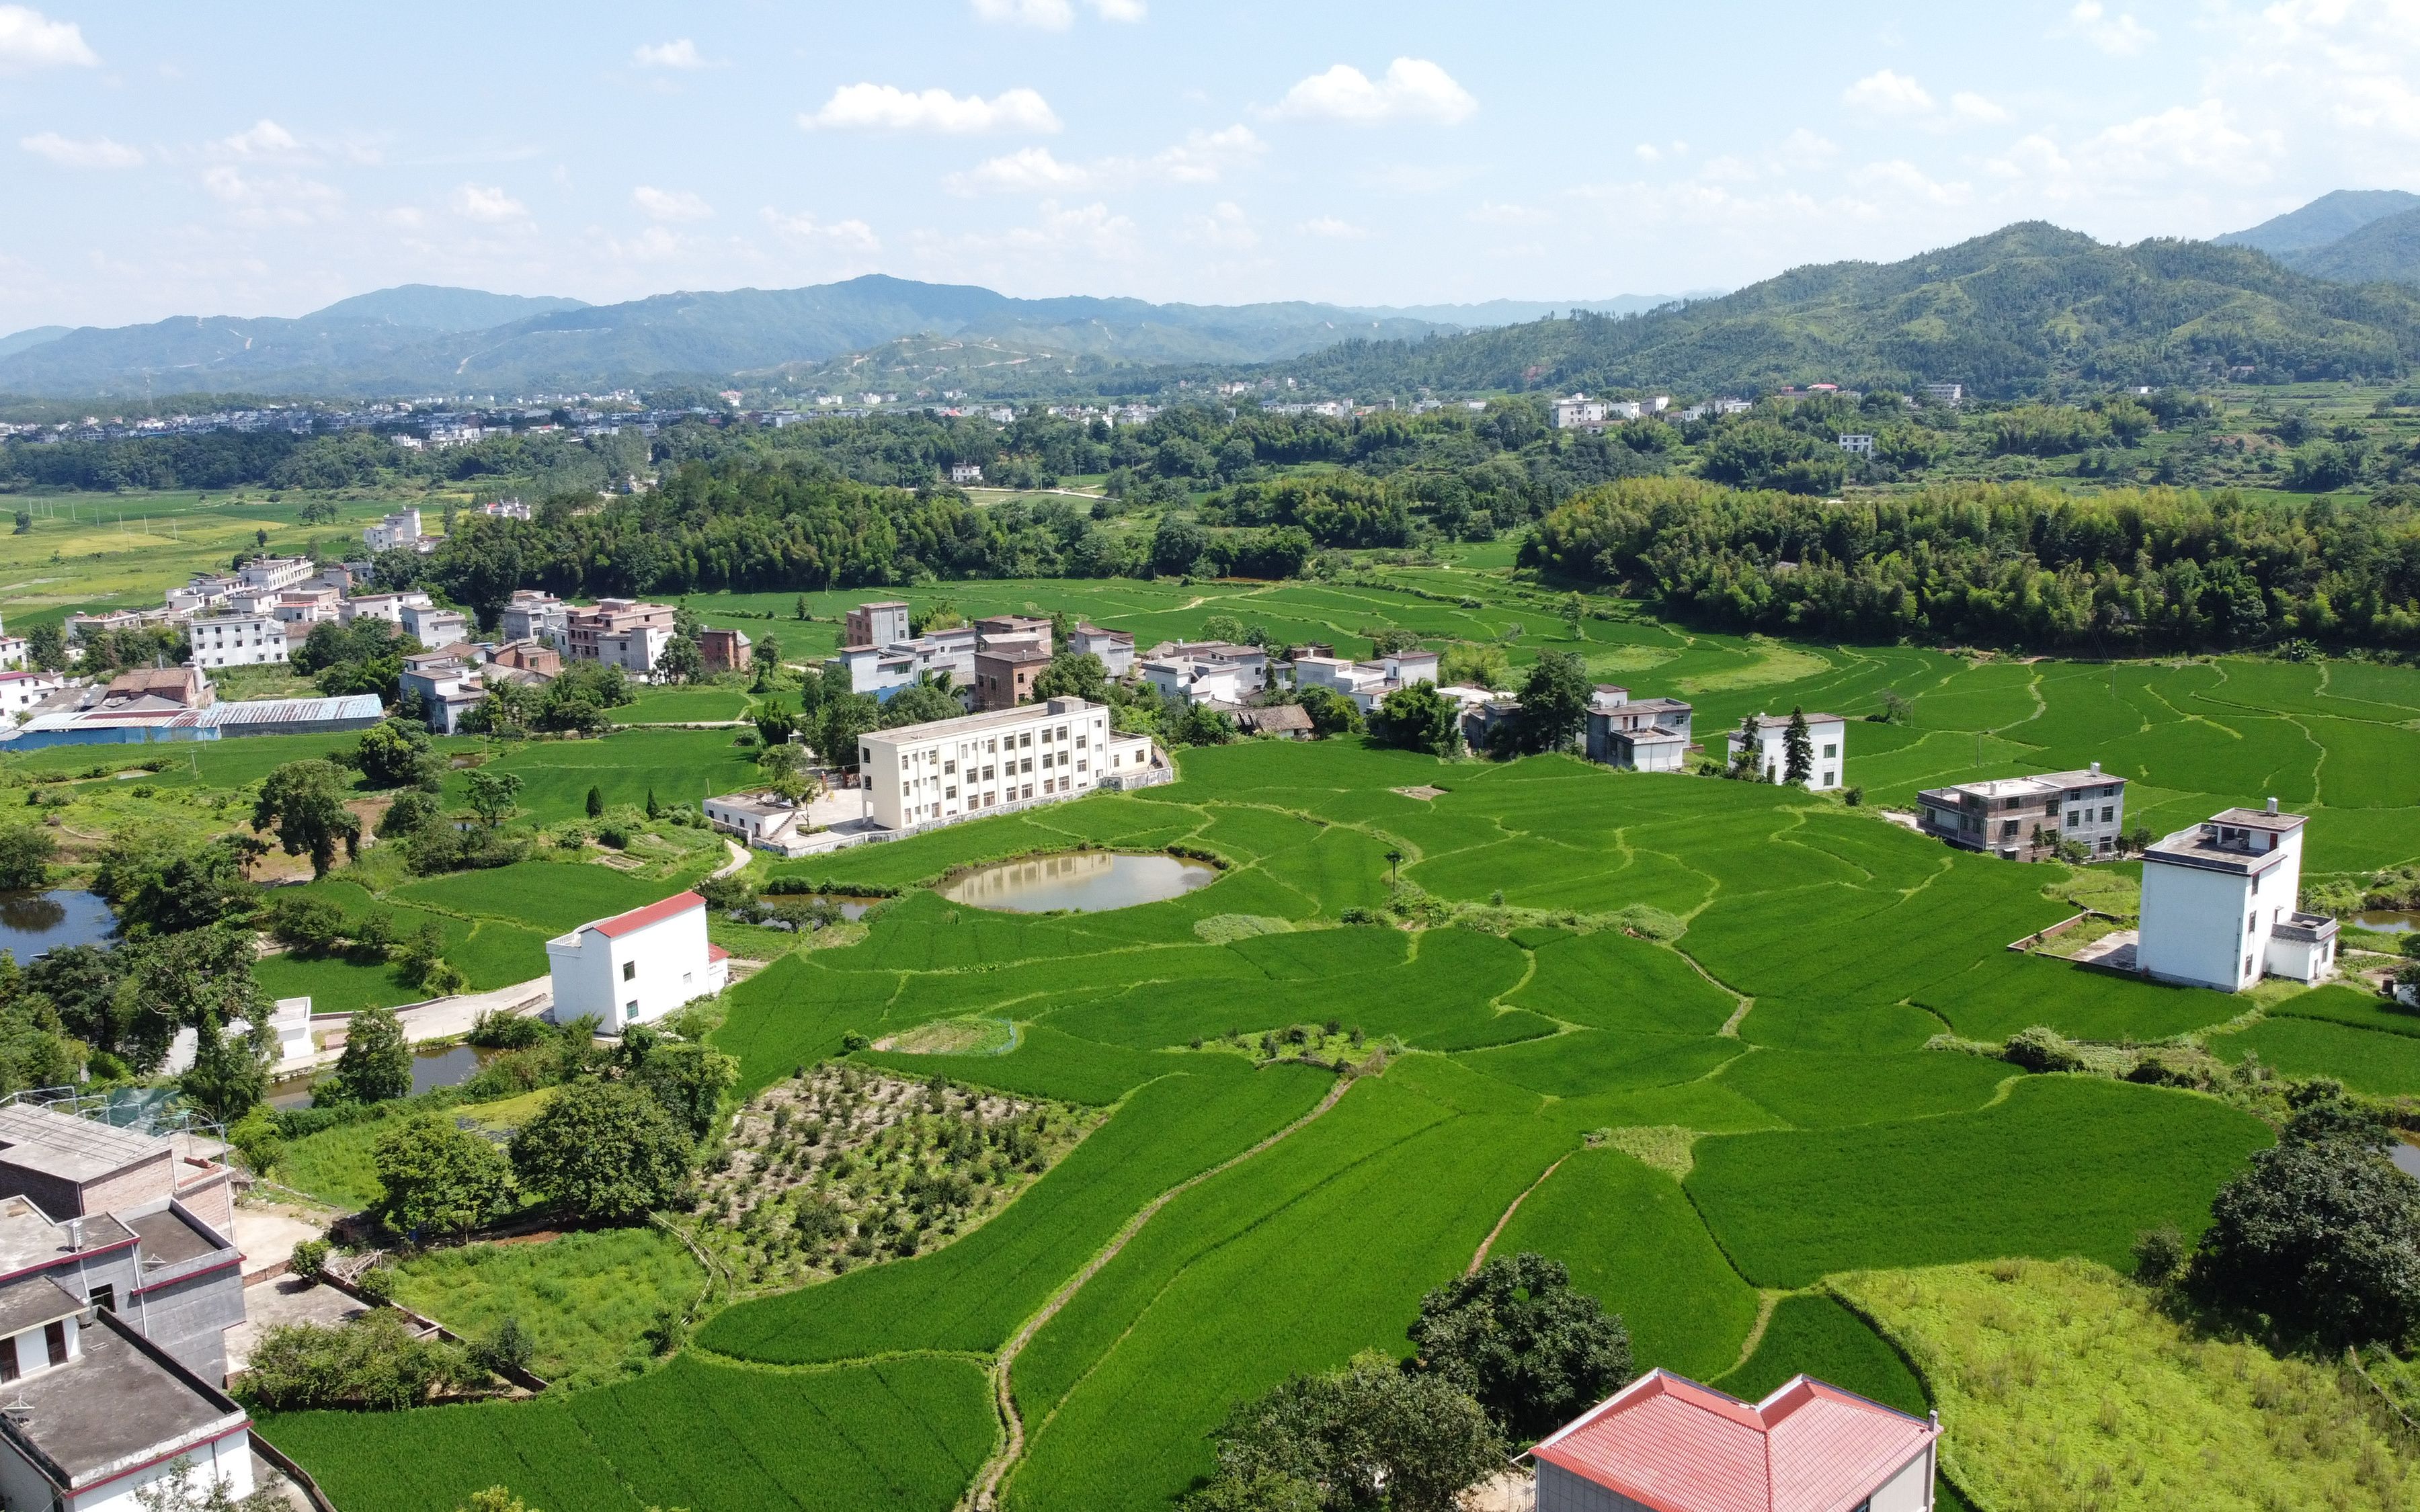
1810	1334
2059	1385
586	1299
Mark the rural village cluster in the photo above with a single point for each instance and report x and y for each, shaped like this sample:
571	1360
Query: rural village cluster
122	1272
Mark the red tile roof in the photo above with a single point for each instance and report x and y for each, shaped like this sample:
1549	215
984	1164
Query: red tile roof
638	918
716	952
1669	1443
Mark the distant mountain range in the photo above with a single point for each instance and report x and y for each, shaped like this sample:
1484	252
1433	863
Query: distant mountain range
421	338
2004	313
2352	235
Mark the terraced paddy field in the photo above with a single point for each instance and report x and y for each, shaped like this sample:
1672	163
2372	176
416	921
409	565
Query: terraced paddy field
1706	1126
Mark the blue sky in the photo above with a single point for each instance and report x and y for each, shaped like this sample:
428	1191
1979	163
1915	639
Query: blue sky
159	160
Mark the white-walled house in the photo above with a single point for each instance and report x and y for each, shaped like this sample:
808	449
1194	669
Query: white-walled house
1665	1443
20	691
237	641
636	966
2219	904
290	1020
920	775
1643	735
97	1414
1828	734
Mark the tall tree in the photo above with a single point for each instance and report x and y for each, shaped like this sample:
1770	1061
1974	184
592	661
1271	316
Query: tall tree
376	1066
230	1071
1516	1336
1417	717
306	802
491	795
1370	1435
603	1150
1554	702
439	1178
1797	749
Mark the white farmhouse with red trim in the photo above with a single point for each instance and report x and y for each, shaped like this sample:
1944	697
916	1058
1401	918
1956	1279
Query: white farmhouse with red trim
1665	1443
636	966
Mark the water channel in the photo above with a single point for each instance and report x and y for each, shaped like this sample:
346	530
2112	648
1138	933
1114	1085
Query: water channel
1084	882
34	922
2387	921
432	1065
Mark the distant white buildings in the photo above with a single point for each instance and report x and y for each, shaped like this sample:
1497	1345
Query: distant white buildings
619	632
638	966
505	509
1366	683
1578	412
1206	672
1116	648
387	607
531	615
2219	904
433	626
1951	394
399	531
1858	444
237	641
966	472
1827	734
276	574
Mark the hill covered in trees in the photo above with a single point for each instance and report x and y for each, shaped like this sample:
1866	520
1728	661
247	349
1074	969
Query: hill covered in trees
2026	309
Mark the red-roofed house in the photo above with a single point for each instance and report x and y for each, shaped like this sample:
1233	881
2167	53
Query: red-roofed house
1665	1443
636	966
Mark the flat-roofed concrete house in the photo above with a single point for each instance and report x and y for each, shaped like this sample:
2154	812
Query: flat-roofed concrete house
1004	678
2219	904
1665	1443
1644	734
920	775
636	966
725	651
124	1220
97	1414
1828	734
1116	648
764	821
883	623
2023	818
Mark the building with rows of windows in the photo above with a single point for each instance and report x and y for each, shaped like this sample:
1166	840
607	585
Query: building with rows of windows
1063	747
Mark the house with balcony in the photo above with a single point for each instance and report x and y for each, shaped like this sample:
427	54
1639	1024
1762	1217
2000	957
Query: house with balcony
2220	904
2023	818
1639	735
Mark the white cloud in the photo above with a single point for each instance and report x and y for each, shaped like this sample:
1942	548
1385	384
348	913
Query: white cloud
100	152
1966	105
405	217
29	39
1051	15
1226	225
2121	36
263	138
488	203
1413	89
2199	139
1905	181
1888	92
1201	158
885	107
1488	212
1803	148
678	54
1333	228
671	204
286	199
1054	15
1090	228
805	229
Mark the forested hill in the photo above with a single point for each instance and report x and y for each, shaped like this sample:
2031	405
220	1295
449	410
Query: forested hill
2006	314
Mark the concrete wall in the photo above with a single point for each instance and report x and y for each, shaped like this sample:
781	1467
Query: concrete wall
2193	927
228	1461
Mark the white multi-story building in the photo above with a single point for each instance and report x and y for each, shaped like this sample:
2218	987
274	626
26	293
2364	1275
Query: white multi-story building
433	626
1578	412
532	615
20	691
387	607
1116	648
505	509
1641	734
2219	904
237	641
207	592
1061	748
276	574
1858	444
636	966
14	651
308	606
1827	733
399	531
1366	683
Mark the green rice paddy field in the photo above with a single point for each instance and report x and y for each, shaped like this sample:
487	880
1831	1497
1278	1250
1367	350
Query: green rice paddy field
1750	1107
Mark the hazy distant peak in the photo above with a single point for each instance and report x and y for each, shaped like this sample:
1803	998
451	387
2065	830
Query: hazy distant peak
2328	218
436	307
33	336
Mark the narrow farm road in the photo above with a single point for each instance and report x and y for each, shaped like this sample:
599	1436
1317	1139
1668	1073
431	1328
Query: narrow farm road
985	1495
739	858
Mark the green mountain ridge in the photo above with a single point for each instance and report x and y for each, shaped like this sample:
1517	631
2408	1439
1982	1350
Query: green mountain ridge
2010	312
2329	218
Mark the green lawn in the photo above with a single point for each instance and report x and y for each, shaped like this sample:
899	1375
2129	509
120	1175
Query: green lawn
586	1299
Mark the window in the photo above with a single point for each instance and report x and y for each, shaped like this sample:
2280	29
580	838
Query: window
104	1298
2247	965
1831	779
2107	814
54	1339
630	1007
8	1369
949	793
629	970
949	768
1079	743
1025	739
1830	751
2074	817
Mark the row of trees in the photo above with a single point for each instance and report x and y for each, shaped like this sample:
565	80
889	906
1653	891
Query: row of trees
2001	564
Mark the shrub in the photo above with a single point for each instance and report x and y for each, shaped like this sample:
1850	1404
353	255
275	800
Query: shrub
2042	1049
377	1062
603	1150
495	1029
310	1258
2160	1255
440	1178
372	1362
509	1349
